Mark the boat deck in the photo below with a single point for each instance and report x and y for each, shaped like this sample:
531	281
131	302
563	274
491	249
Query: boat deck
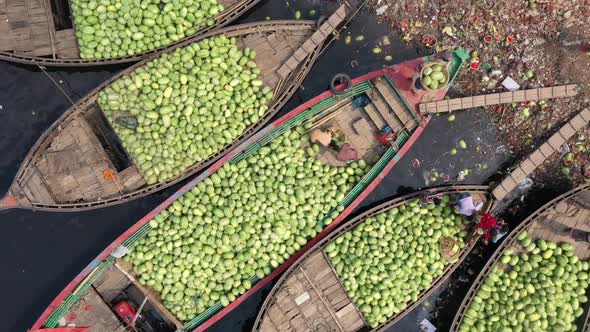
72	167
310	296
360	125
313	300
27	27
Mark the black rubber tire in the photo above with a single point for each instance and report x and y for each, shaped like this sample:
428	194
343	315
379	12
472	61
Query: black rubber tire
333	84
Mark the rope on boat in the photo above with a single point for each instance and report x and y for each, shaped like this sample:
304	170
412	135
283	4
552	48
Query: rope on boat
55	83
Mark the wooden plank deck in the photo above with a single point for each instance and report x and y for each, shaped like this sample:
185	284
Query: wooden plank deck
312	300
26	27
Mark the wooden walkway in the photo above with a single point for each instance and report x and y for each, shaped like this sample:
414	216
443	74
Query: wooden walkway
499	98
317	38
527	166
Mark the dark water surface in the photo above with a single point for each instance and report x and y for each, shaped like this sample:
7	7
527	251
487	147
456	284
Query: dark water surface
41	252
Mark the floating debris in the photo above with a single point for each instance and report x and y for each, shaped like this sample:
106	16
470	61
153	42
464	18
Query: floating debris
377	50
451	118
388	58
348	40
462	144
298	15
359	38
312	12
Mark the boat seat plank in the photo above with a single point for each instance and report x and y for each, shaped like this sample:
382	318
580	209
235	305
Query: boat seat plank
66	44
385	112
374	116
393	100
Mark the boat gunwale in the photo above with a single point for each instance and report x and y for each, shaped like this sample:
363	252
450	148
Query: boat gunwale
87	270
509	241
358	219
222	19
89	99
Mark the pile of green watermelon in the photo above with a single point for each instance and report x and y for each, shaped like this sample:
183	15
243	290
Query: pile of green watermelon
183	107
241	222
389	259
539	288
120	28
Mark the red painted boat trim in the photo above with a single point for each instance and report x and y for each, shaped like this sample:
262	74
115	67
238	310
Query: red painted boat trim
213	168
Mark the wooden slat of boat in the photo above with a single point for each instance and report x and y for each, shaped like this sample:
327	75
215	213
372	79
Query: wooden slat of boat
66	44
91	310
528	166
384	111
397	106
364	144
151	295
375	117
509	97
311	258
313	299
548	222
28	26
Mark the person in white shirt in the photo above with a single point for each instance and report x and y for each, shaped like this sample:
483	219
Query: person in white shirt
465	205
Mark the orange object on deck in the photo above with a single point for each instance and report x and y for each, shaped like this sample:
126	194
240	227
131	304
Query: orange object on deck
108	175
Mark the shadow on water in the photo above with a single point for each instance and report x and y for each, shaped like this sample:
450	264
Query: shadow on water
42	252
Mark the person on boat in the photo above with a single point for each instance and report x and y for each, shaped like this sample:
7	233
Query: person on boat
500	231
486	223
465	205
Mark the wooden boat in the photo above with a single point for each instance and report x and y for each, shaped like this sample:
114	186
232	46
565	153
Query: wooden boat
547	223
43	32
391	98
311	296
66	168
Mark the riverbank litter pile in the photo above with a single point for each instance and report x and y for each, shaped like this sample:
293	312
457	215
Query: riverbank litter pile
519	44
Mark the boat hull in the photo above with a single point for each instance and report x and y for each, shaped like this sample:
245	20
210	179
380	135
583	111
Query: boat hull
289	87
224	18
509	242
352	223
